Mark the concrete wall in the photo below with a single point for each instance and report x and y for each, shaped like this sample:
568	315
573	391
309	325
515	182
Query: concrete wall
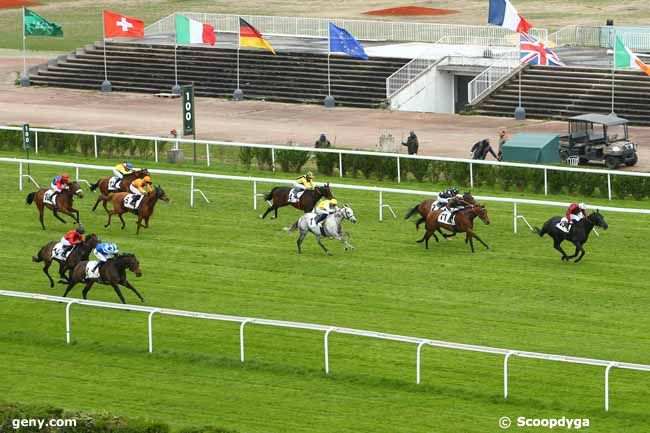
433	92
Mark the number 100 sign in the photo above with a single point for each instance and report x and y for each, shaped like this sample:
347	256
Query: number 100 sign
187	93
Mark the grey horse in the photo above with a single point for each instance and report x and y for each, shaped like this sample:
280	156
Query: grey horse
331	227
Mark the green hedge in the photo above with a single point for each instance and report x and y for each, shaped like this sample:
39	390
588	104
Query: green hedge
86	422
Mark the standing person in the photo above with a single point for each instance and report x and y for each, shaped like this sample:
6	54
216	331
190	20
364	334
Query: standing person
71	239
503	137
412	143
481	149
322	142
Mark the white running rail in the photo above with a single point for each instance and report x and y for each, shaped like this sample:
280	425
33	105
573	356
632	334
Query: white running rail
327	331
501	70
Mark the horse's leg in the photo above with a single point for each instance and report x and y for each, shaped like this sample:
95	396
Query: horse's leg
470	236
45	271
96	203
56	215
86	289
557	246
71	215
62	277
119	215
582	253
269	209
275	213
76	212
146	222
481	241
110	215
117	290
71	284
323	246
41	209
418	222
300	239
130	286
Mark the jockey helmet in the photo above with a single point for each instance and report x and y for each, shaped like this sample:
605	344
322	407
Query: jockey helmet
111	248
65	177
147	179
582	206
128	166
80	229
334	202
309	174
411	133
454	191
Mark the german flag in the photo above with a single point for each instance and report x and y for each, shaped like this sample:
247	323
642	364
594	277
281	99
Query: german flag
250	37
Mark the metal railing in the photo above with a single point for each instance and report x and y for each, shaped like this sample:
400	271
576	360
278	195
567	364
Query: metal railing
500	71
318	27
340	152
601	37
382	204
329	330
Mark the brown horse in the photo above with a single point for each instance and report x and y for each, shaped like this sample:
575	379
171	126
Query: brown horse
63	201
102	184
427	206
279	197
78	253
464	223
112	273
144	211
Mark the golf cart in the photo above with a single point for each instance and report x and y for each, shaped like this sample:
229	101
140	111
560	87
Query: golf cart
598	137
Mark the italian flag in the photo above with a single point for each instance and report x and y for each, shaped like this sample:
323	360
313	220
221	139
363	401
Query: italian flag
193	32
625	58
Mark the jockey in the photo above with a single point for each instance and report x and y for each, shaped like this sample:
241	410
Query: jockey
574	213
325	208
444	196
72	239
103	252
122	169
60	182
141	186
304	182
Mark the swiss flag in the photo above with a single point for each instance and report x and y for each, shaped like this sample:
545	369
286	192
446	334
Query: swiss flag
116	25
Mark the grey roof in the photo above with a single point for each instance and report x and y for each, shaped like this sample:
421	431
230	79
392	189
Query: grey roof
605	119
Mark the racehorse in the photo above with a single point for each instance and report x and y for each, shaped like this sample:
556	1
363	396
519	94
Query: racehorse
331	227
464	223
427	206
63	201
578	235
279	197
144	210
102	184
112	273
78	253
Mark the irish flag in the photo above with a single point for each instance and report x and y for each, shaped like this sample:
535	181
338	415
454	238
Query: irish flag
625	58
193	32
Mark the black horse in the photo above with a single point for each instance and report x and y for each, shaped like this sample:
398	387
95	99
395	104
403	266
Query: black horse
279	197
112	273
578	235
79	252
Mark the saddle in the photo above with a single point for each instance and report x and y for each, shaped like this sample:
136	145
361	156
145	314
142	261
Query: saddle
319	226
564	227
114	183
294	195
49	197
92	270
446	217
59	253
132	201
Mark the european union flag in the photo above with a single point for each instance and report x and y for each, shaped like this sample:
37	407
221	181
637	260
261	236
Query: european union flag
343	42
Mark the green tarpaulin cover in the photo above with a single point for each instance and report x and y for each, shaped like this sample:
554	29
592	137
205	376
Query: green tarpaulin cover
532	147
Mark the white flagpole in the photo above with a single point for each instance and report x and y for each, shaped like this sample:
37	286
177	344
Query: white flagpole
175	65
238	48
24	41
104	38
613	67
329	52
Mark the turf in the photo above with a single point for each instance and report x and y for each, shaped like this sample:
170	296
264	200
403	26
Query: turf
219	257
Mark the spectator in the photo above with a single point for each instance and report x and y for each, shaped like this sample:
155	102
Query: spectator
503	137
481	149
412	143
322	142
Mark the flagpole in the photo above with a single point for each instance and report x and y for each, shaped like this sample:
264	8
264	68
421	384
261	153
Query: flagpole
329	99
24	41
176	89
106	85
239	94
613	67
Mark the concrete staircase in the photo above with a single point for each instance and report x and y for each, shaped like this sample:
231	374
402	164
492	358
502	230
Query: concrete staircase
557	93
285	77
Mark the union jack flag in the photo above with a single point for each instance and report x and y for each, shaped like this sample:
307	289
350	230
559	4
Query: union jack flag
534	52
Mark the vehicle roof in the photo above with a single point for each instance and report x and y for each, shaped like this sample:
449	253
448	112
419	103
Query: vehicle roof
605	119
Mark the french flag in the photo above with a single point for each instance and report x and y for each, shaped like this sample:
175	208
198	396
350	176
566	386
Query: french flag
504	14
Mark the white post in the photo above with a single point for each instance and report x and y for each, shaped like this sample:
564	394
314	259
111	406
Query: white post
191	191
151	331
545	182
207	153
505	375
471	175
175	65
76	171
399	177
381	206
36	141
155	150
24	49
241	339
254	195
418	363
340	164
95	141
273	158
20	176
329	52
105	67
609	367
67	322
515	217
609	186
327	351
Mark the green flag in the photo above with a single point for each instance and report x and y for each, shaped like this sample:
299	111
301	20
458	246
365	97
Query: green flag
35	25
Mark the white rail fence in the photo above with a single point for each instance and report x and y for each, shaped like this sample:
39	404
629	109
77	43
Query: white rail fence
340	152
635	38
382	204
501	70
329	330
318	27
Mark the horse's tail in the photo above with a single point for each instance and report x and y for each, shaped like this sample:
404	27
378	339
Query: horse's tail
30	198
541	232
269	195
95	185
39	257
411	212
293	227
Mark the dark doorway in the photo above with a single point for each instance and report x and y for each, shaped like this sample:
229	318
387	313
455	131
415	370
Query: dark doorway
460	93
